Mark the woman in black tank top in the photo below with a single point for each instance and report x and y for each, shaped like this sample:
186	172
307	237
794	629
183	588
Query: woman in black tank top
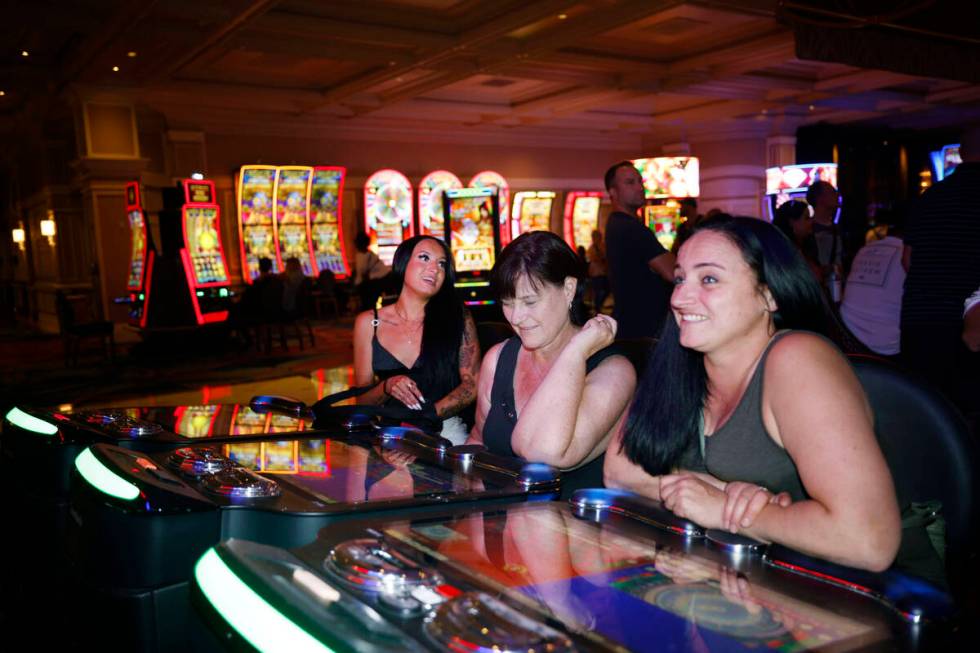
745	422
422	350
554	392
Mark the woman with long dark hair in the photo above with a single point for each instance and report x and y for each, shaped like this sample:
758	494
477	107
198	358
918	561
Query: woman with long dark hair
795	219
554	392
746	419
423	348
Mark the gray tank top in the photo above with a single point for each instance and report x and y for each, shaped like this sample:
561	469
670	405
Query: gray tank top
742	449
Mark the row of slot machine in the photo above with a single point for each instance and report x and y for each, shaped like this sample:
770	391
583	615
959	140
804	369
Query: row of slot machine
184	279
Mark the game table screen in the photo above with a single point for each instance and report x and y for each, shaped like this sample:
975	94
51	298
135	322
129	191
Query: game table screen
630	591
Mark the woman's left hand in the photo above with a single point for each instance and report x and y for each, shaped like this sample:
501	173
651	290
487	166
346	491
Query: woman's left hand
689	497
595	334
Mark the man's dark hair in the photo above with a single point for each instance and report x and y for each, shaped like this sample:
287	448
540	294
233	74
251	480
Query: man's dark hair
265	264
817	187
611	173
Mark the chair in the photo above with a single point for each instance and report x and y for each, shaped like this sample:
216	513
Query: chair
490	333
74	331
299	318
325	293
927	444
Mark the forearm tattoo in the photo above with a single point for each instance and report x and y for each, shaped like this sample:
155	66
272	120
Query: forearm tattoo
465	393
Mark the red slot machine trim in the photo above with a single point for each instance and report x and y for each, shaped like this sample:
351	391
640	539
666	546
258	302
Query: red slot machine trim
150	257
275	218
135	185
185	258
570	199
340	214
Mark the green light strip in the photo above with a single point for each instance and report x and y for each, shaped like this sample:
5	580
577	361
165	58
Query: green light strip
17	417
104	479
472	284
259	623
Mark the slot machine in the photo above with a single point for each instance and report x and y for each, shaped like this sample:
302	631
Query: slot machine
430	201
291	216
471	218
496	182
944	161
388	209
326	220
785	183
256	229
581	217
532	212
141	257
667	179
203	255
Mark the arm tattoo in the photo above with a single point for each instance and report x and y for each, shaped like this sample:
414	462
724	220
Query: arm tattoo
463	394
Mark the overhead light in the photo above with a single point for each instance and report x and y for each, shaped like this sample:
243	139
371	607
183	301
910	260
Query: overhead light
131	54
199	176
115	69
25	53
812	107
48	228
562	16
2	93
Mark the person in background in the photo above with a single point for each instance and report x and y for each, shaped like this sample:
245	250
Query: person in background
423	348
795	219
689	220
746	419
598	271
825	200
293	282
370	272
872	304
639	266
971	322
554	391
942	243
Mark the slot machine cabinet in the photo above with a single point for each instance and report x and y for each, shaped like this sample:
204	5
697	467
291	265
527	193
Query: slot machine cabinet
581	217
141	256
256	227
203	255
326	220
496	182
532	212
291	215
388	212
430	201
666	180
790	182
472	221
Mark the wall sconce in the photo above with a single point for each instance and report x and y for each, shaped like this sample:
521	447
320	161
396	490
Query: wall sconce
19	236
48	228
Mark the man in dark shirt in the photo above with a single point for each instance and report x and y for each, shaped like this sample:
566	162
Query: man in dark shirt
942	245
639	267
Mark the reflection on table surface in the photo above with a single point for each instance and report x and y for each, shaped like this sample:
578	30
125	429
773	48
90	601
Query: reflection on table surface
631	589
308	388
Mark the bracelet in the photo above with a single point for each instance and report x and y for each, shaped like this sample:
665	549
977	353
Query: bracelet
384	386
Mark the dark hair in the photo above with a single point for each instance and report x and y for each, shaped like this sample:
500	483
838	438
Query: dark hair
544	258
442	330
611	173
665	417
689	201
817	187
361	241
265	264
787	213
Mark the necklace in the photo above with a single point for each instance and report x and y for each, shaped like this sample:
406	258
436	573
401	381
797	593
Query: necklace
411	335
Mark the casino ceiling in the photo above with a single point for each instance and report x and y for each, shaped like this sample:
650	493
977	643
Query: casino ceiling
550	69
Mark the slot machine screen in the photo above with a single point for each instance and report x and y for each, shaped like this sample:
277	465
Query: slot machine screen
325	220
291	213
581	217
137	259
388	211
203	244
532	211
471	214
496	182
669	176
255	197
431	221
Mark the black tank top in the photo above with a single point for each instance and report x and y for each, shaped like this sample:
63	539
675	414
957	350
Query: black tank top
498	428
